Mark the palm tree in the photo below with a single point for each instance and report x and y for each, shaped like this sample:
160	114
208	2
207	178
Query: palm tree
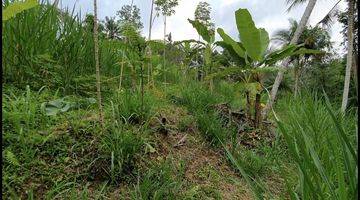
96	50
304	19
349	57
284	36
315	38
112	29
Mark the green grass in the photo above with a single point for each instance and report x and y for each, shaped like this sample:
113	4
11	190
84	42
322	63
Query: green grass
322	144
159	182
118	152
48	56
129	107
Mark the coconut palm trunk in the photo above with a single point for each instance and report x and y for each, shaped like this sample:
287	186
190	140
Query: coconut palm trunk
304	19
97	65
355	69
349	58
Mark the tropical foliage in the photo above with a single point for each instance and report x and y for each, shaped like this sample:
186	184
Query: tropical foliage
94	110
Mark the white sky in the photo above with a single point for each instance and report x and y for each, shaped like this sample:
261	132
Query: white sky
268	14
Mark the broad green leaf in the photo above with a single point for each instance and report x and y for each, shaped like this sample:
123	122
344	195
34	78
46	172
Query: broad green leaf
17	7
278	55
54	107
228	40
202	31
249	34
91	100
65	108
239	60
51	111
264	39
56	103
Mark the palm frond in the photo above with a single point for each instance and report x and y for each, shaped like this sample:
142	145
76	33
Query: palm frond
328	19
293	3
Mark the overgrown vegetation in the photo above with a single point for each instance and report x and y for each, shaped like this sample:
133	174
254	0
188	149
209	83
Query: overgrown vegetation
181	119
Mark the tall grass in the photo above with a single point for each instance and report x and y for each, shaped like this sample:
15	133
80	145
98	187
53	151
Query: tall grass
119	148
42	43
128	107
48	46
322	144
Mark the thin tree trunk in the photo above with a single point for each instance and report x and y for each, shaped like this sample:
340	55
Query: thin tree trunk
148	54
97	65
122	64
149	39
257	110
142	90
294	40
121	74
133	77
349	57
164	49
150	21
355	69
297	77
248	105
296	86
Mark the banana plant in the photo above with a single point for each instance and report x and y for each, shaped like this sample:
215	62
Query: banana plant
190	49
251	53
209	37
17	7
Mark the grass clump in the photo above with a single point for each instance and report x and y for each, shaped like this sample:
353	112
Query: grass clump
320	142
129	107
159	182
198	98
211	127
119	149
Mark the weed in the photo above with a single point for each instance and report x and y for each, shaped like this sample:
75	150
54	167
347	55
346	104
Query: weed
159	182
119	149
128	107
